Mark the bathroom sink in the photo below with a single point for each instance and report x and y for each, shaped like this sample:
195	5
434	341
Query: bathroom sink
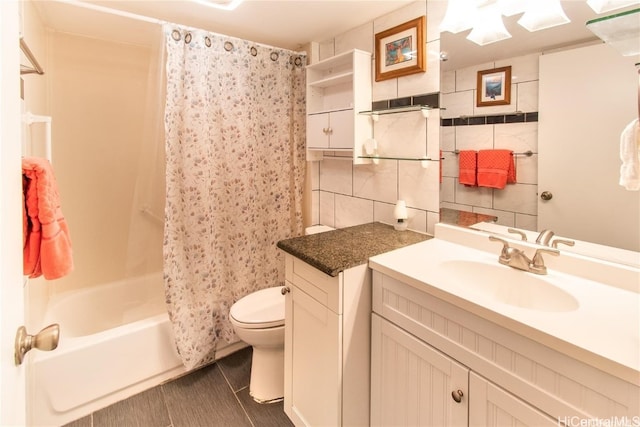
508	286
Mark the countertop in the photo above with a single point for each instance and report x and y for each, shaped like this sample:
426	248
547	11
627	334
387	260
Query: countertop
464	218
602	329
334	251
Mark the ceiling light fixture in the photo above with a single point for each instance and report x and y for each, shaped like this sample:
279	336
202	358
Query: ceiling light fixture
488	26
602	6
458	17
219	4
543	14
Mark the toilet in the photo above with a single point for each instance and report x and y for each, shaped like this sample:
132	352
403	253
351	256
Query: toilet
258	320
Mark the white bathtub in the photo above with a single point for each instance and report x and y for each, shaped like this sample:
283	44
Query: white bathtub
115	341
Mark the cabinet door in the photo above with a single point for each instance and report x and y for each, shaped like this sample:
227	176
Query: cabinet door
341	125
490	406
412	383
318	130
314	347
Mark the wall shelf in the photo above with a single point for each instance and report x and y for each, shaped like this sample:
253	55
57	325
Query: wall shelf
620	30
337	88
412	159
396	110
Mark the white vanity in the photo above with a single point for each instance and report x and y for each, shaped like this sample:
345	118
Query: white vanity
459	339
328	322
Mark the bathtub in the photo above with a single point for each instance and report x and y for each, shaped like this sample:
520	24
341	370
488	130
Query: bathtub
115	341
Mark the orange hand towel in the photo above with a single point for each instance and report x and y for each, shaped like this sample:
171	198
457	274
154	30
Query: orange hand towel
47	244
467	164
496	168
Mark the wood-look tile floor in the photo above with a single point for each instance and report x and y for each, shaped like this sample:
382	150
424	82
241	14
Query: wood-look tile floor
216	395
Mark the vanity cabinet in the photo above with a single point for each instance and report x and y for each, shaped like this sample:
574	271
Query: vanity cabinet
337	89
327	345
427	353
414	384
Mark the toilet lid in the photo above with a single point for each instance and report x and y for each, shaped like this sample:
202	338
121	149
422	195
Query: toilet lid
260	309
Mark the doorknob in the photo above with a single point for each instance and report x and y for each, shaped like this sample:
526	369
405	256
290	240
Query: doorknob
546	195
45	340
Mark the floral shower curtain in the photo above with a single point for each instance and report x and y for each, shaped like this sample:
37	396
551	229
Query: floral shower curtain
234	123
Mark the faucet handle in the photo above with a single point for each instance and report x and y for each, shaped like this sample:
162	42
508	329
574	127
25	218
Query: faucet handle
505	255
515	231
554	244
537	263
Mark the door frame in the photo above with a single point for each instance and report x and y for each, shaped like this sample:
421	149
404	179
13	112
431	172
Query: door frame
12	377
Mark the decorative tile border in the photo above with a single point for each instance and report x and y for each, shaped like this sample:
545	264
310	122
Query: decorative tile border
492	119
430	99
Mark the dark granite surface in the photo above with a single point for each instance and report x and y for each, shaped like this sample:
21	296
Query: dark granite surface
334	251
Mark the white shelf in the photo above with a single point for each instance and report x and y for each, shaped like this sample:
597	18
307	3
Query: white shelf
332	80
621	31
337	88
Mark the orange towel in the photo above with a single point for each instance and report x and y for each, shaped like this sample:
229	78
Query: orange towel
467	164
47	245
496	168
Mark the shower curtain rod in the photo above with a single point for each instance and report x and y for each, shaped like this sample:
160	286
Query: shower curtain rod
148	19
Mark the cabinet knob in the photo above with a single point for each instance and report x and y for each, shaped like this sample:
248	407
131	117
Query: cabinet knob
325	130
285	290
457	395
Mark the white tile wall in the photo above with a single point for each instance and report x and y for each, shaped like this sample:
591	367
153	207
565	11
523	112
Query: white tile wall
348	195
377	182
336	176
516	205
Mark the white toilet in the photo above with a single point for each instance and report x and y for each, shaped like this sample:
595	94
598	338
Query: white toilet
258	319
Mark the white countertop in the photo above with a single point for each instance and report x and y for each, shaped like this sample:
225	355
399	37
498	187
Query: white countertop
602	327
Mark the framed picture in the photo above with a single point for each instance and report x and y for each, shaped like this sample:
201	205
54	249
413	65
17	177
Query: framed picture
400	50
494	87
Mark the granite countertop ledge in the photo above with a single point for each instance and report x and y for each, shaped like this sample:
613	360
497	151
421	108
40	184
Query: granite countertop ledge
334	251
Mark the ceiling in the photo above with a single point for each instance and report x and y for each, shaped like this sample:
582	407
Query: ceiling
291	24
462	52
285	23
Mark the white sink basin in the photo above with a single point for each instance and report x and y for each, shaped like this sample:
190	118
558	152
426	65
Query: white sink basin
583	306
509	286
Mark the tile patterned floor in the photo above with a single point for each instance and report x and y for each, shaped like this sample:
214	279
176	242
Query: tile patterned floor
216	395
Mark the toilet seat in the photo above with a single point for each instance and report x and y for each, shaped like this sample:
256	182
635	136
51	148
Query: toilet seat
260	309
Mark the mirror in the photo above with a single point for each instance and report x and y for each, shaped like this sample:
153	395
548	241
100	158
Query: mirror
518	206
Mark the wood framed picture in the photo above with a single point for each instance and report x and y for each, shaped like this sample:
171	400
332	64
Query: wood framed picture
400	50
494	87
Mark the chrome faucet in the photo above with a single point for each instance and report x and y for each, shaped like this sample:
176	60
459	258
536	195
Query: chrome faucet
516	258
545	237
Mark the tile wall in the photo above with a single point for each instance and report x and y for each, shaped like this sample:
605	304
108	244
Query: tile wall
516	205
345	194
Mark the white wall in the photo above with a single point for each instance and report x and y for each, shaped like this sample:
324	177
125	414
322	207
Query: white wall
588	95
344	194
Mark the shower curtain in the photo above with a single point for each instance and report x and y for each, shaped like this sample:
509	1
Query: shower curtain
235	159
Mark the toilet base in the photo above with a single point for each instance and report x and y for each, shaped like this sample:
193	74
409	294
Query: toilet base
267	375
